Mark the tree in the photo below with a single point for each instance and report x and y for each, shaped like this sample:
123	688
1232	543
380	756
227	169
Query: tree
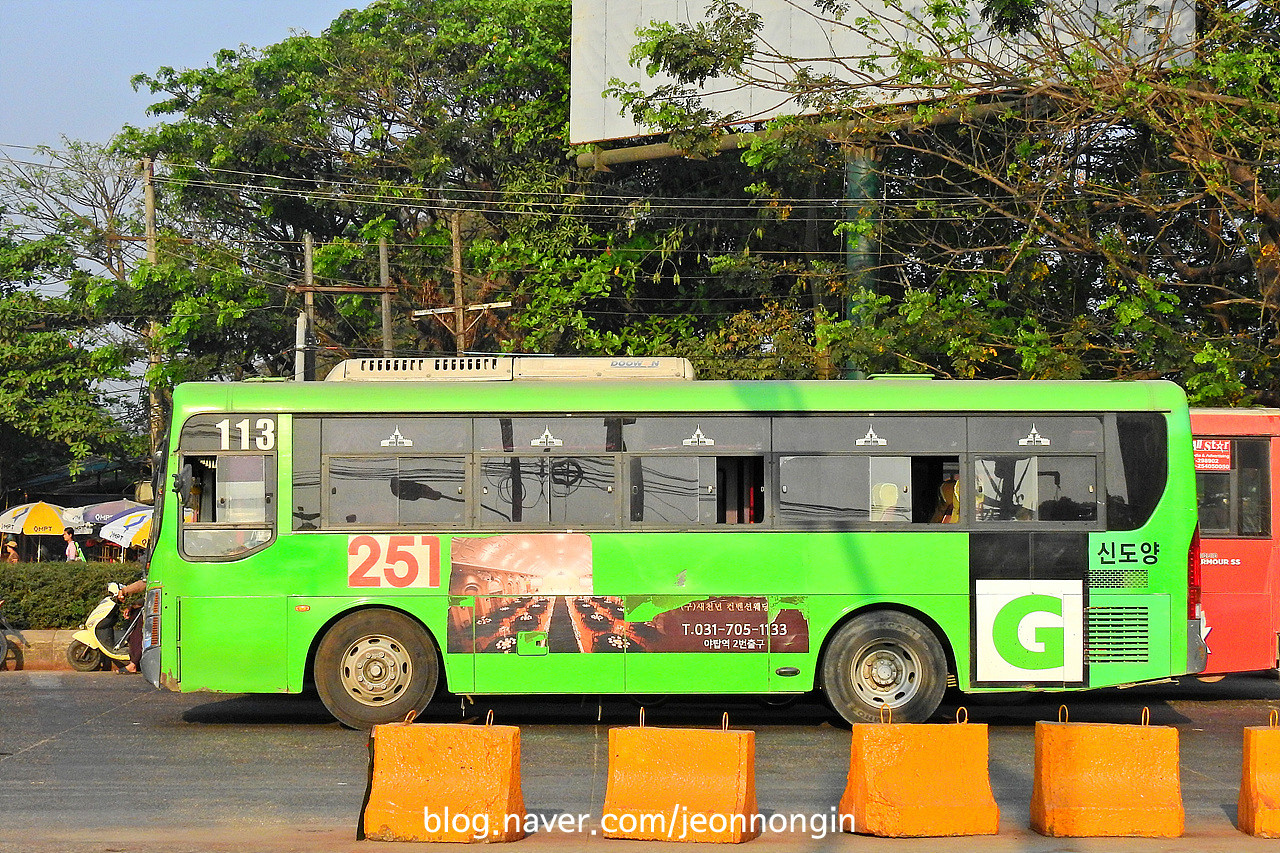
399	113
53	409
195	313
405	113
1089	199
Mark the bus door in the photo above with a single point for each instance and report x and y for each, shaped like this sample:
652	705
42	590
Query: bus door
1238	554
226	481
689	599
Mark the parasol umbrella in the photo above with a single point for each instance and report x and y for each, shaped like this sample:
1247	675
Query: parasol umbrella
33	519
100	513
130	529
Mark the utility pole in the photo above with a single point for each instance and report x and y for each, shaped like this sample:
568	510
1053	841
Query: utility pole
154	418
384	278
459	298
304	352
459	327
308	356
862	202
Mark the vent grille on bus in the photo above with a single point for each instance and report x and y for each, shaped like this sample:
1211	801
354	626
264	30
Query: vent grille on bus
468	367
1118	578
1117	635
442	367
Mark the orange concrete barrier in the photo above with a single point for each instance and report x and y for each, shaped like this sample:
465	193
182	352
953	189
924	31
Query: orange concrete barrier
681	784
1258	809
444	782
1099	779
914	780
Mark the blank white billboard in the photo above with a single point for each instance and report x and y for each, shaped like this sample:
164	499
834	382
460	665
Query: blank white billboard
604	32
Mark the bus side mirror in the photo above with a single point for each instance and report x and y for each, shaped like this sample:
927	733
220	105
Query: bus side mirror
143	492
182	481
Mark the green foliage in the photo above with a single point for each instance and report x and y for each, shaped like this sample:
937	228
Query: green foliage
437	105
52	409
50	596
1215	380
1108	209
395	118
776	342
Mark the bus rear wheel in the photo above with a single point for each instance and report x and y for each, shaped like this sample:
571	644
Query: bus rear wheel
884	662
375	666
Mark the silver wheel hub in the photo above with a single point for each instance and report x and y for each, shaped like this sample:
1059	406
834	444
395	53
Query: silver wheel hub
885	675
884	671
376	669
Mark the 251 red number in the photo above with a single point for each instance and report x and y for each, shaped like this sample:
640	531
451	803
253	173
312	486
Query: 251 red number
397	561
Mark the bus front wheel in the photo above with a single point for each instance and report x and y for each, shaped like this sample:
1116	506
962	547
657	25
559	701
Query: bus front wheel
884	662
375	666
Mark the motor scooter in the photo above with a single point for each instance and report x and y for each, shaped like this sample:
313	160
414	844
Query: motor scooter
99	640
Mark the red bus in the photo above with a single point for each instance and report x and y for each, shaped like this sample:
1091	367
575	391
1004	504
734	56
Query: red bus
1235	452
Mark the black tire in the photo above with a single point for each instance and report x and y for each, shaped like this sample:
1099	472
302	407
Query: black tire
83	658
375	666
884	660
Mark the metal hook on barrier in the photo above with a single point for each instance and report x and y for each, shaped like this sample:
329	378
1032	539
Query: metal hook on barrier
1063	714
959	711
724	722
488	718
410	717
886	714
1146	716
642	717
1273	718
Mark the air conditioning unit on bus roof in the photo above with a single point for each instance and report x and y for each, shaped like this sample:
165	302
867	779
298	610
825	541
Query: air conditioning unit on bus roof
499	368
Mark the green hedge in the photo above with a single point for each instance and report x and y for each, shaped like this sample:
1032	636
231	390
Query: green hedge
39	596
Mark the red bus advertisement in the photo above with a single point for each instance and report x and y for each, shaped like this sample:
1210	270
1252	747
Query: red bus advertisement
1235	452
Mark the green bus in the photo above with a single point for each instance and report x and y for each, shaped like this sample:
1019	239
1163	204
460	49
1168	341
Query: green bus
592	526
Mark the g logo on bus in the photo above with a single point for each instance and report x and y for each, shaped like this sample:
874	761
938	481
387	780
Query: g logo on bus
393	561
1047	639
1029	632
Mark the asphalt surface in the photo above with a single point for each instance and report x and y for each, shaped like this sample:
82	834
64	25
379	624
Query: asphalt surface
102	762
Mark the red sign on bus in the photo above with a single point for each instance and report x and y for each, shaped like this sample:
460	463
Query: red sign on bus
1212	454
393	561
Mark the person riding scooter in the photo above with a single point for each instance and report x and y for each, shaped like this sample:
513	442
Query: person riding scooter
98	639
135	630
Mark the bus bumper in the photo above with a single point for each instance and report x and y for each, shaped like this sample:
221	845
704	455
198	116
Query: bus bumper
150	665
1197	651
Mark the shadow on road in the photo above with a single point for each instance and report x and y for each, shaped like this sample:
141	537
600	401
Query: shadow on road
533	710
262	709
1109	705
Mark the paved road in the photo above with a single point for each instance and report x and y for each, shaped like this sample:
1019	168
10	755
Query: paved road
101	762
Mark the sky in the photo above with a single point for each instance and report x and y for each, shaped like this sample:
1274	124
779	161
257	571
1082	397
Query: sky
65	64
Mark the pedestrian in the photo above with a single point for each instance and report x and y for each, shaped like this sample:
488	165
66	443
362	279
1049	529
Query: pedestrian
73	548
11	552
135	634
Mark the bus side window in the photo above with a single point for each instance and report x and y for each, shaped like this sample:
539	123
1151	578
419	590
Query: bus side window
1254	487
555	491
1036	488
664	489
823	491
1213	502
839	490
1237	502
739	489
228	509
